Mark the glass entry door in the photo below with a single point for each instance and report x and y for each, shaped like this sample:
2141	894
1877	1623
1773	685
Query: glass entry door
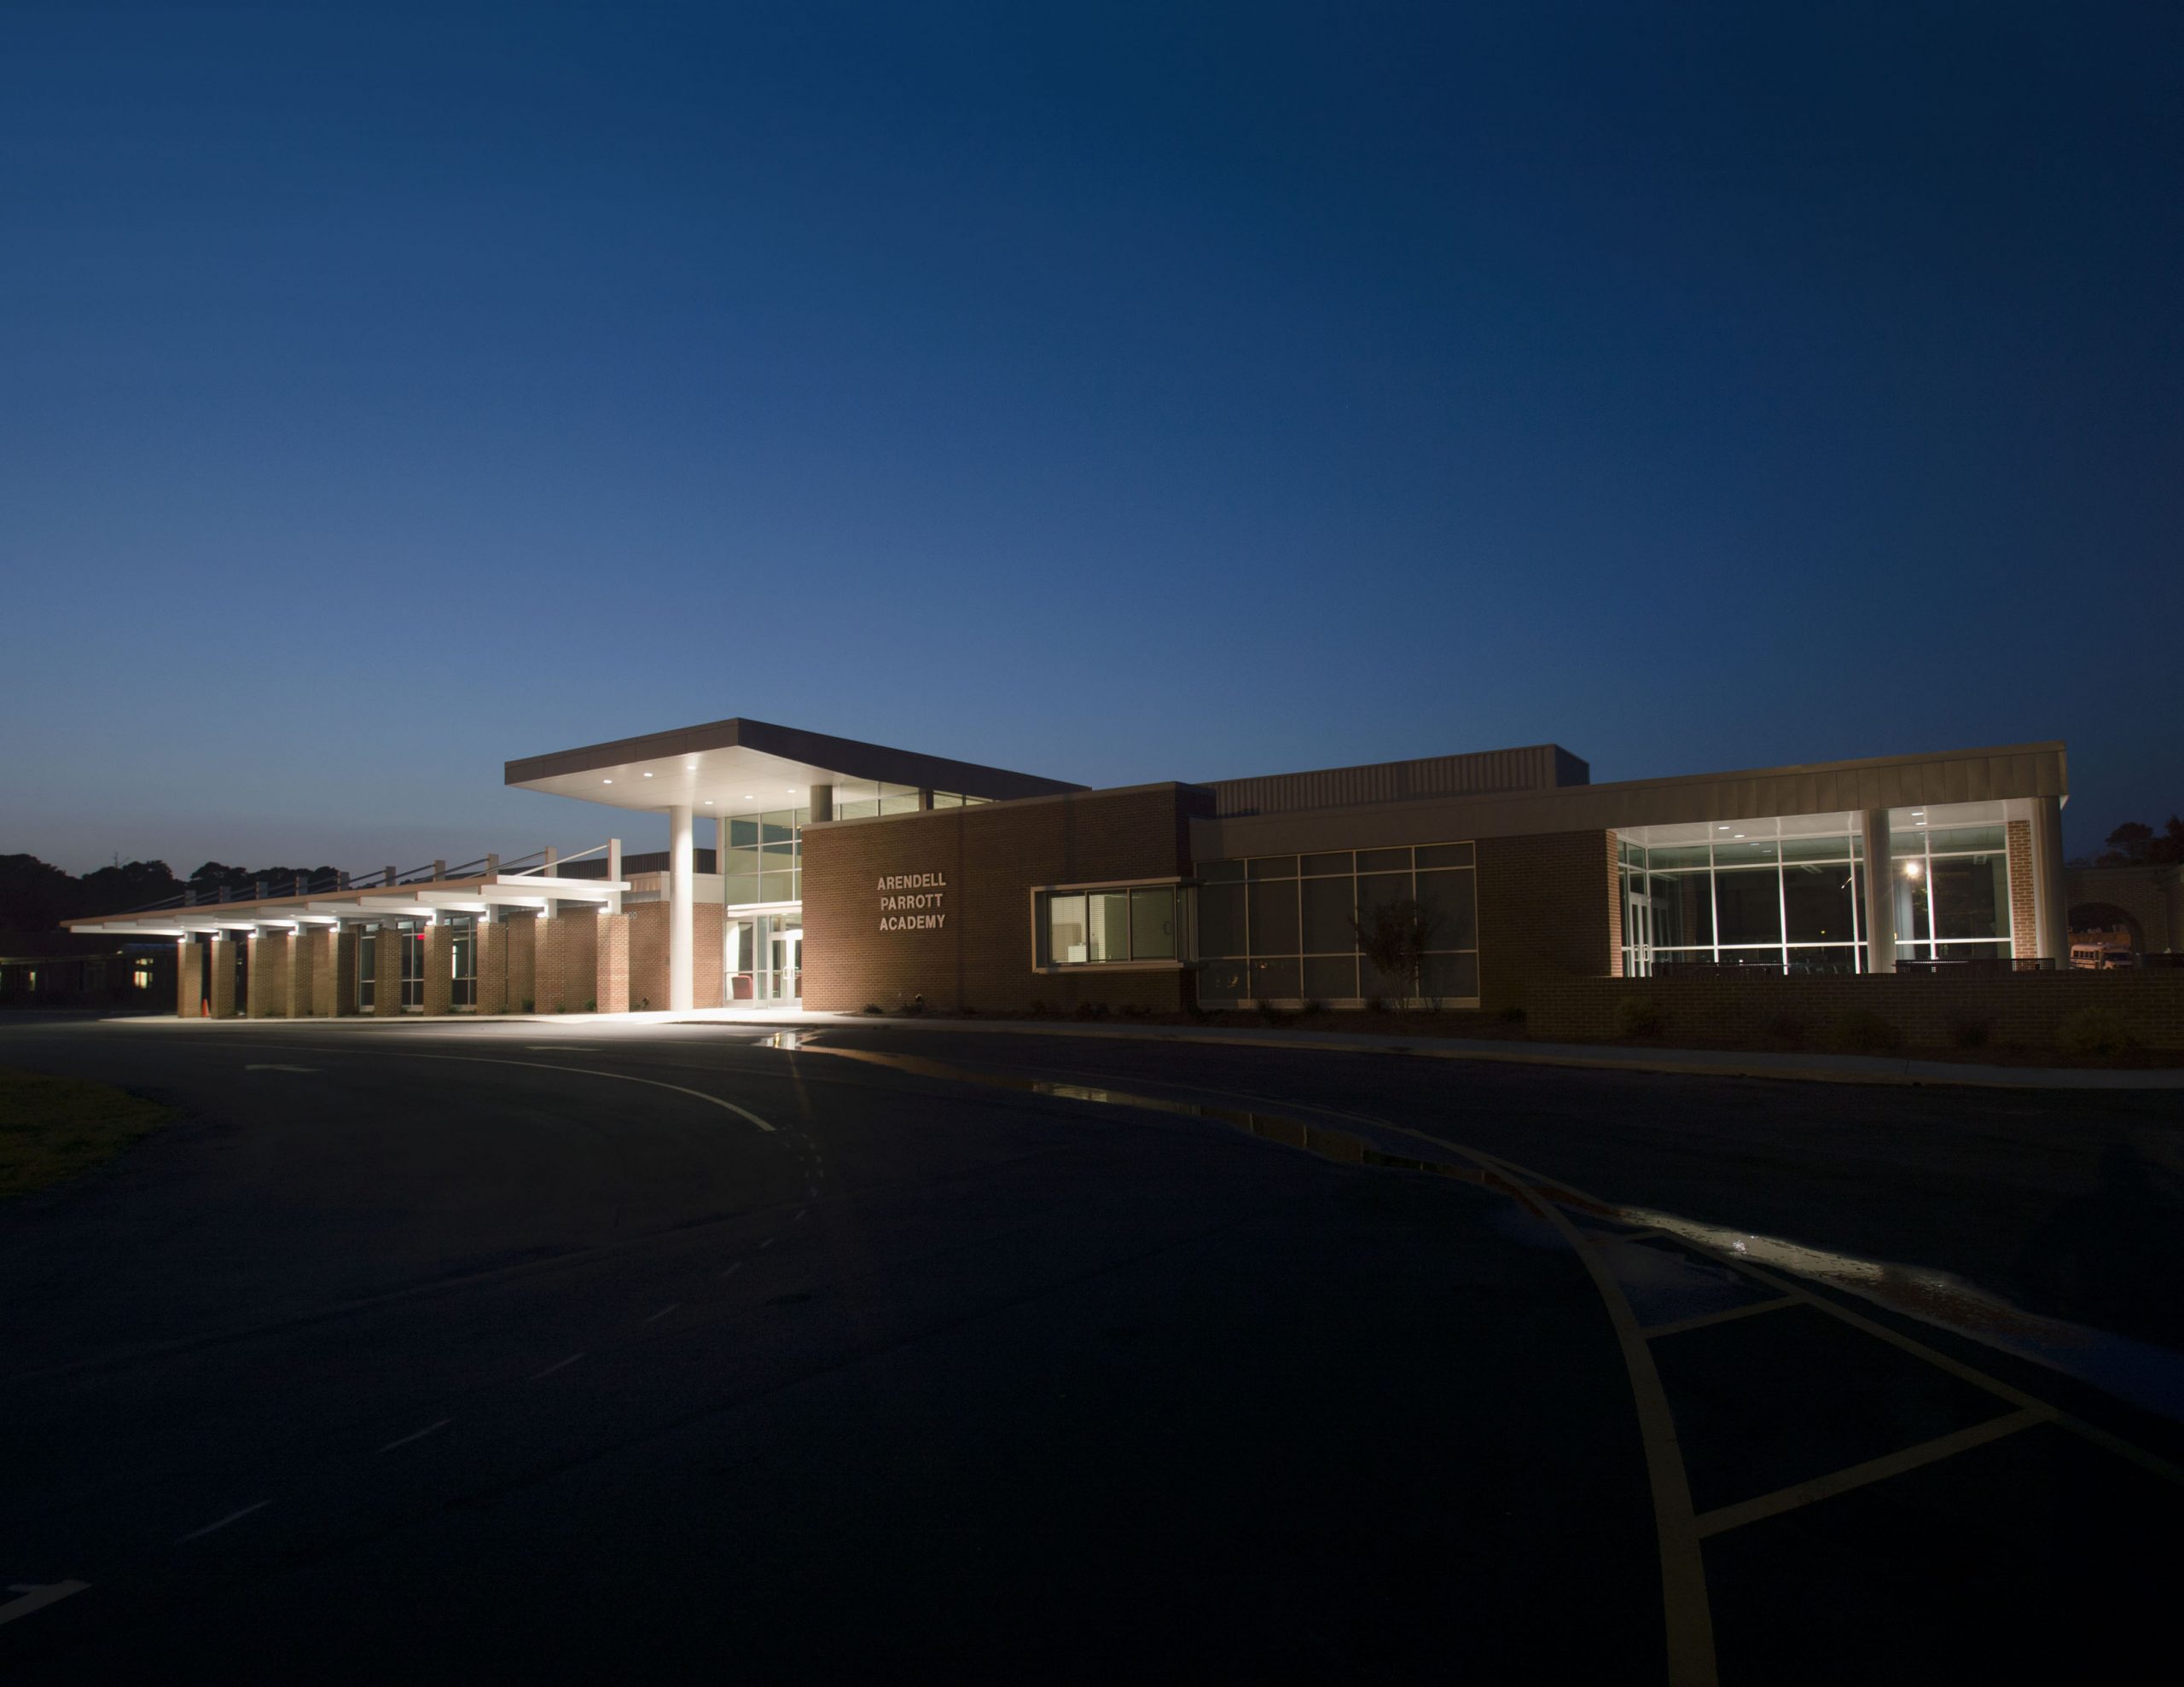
765	956
1638	931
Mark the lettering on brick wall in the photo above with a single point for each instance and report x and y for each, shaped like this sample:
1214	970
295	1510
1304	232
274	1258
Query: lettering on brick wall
912	902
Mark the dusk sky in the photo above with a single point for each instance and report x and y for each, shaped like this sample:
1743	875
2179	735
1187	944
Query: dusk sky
1108	392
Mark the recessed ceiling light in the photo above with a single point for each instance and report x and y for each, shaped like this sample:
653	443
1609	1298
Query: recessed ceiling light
746	796
1739	834
647	775
709	802
606	781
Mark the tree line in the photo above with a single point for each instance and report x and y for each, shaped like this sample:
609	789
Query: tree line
35	895
2136	843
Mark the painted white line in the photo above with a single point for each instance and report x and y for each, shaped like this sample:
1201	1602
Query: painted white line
591	1072
663	1311
769	1241
37	1597
800	1212
733	1269
232	1517
429	1429
272	1068
558	1365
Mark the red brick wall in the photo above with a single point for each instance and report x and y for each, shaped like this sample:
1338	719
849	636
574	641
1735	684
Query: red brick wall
567	960
992	856
610	990
647	952
2025	924
190	980
2020	1008
1549	908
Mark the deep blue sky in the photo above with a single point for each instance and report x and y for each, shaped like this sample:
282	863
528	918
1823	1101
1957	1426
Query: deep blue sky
1112	393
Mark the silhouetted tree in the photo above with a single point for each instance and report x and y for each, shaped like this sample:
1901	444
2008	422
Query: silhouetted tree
1394	936
2135	844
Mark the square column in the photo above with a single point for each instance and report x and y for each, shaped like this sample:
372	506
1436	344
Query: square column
221	995
387	980
610	990
1880	892
267	986
335	994
492	964
682	937
189	978
439	968
303	970
2053	913
520	935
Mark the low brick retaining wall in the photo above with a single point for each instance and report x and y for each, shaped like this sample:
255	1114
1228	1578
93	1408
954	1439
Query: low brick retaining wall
2025	1010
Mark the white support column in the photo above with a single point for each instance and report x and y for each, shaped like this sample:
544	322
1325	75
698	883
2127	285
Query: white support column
1880	893
2051	915
682	915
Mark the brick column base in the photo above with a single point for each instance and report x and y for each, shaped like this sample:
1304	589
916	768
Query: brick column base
303	969
222	992
613	991
189	978
339	998
386	986
439	968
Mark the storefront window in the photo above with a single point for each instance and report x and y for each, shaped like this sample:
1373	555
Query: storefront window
1284	928
1123	922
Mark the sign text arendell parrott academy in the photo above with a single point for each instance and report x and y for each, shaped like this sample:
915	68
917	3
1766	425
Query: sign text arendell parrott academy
910	902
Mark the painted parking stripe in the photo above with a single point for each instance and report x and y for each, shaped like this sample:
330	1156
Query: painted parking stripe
232	1517
37	1597
558	1365
429	1429
593	1072
1676	1326
1859	1475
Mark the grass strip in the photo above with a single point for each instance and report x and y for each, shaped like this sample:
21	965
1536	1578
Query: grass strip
52	1128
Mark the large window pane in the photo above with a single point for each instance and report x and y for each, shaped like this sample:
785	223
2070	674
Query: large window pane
1910	901
1336	862
1274	918
1221	919
1219	873
1327	917
1375	890
1276	980
1446	854
1817	899
1153	923
1730	851
1108	914
740	887
776	887
1447	897
1275	866
1965	837
1836	848
1330	977
1683	907
1222	981
1747	904
1067	940
1972	896
1694	855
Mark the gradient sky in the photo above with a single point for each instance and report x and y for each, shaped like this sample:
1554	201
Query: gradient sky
1116	393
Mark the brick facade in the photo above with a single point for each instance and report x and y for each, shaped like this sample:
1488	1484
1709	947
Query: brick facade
566	961
493	965
386	976
439	968
266	984
708	959
990	856
1750	1004
189	979
338	996
2024	899
1545	913
523	953
222	989
610	989
647	952
304	969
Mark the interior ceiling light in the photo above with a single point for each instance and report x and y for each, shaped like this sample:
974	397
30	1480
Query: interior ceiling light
647	775
606	781
1910	869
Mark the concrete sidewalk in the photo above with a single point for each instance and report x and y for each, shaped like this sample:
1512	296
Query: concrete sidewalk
1787	1063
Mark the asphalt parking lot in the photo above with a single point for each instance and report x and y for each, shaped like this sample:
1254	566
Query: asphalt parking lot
539	1351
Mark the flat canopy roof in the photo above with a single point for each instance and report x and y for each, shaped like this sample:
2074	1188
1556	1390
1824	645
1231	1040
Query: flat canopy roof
736	766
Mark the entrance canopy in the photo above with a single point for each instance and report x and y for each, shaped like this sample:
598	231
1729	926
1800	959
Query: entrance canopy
740	766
